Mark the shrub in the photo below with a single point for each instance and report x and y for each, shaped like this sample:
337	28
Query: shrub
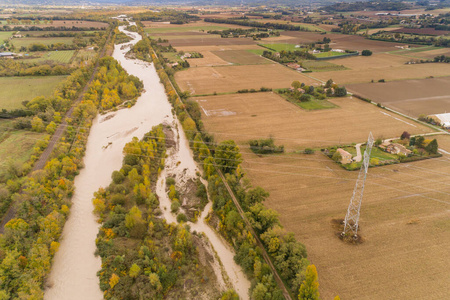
308	151
265	146
117	177
366	53
181	218
175	206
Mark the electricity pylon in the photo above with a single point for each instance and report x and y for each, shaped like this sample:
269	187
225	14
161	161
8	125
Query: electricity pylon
352	217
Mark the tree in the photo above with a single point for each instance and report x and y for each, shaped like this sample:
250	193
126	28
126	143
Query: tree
405	135
340	91
366	53
309	290
329	83
134	271
259	292
419	142
227	156
296	84
37	124
432	147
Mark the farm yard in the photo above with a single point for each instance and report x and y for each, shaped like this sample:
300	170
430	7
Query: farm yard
233	78
411	97
17	89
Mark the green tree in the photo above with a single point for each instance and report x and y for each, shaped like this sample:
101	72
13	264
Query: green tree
296	84
329	83
227	156
134	271
366	53
259	292
419	142
432	147
340	91
309	290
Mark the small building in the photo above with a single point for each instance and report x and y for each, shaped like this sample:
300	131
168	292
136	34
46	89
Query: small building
6	55
294	66
395	148
346	156
17	36
338	50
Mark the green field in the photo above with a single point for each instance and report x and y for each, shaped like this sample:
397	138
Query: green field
13	140
329	54
315	104
14	90
322	66
279	47
184	29
256	51
27	41
4	35
62	57
171	56
190	37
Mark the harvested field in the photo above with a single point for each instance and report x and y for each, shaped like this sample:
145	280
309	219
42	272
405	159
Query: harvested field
248	116
241	57
405	217
412	97
430	54
322	66
208	59
164	27
233	78
399	72
342	41
217	48
17	89
422	31
181	42
174	38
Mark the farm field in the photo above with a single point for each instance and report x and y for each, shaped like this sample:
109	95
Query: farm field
214	41
412	97
72	23
233	78
25	42
62	57
11	141
328	54
322	66
249	116
341	41
5	35
280	47
394	72
241	57
17	89
155	27
405	217
201	49
208	59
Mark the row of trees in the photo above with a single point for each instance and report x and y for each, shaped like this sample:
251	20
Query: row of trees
250	23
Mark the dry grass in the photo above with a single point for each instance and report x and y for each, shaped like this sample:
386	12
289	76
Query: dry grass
432	53
412	97
396	72
242	57
242	117
233	78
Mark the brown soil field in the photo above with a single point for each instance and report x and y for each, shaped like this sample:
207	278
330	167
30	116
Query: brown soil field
341	41
209	59
233	78
243	117
425	31
412	97
399	72
375	61
405	223
242	57
181	42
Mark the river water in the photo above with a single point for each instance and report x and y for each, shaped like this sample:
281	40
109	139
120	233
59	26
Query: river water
74	271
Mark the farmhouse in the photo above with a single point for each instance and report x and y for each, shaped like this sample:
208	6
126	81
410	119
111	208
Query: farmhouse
444	119
346	157
395	148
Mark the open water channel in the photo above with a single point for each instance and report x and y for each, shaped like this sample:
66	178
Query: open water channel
74	271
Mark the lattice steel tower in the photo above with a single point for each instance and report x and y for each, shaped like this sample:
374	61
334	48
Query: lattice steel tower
352	217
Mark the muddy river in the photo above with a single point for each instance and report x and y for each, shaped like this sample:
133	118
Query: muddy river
74	270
